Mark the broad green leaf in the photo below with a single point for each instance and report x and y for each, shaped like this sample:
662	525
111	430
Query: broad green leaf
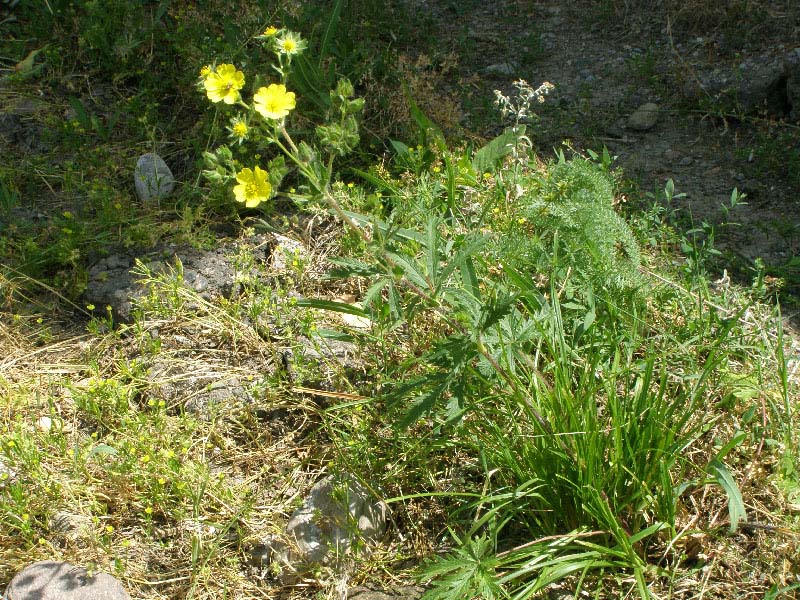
487	157
722	476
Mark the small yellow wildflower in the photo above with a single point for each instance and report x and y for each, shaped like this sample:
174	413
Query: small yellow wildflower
145	459
270	31
11	443
205	71
162	481
253	188
273	102
90	307
148	510
109	529
224	84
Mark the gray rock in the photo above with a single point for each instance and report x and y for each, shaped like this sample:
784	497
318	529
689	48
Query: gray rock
7	475
503	69
644	118
321	361
111	284
210	273
285	252
71	527
50	580
792	67
199	385
757	84
152	178
333	518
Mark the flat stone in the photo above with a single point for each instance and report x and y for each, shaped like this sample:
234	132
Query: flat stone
210	273
199	385
152	178
71	527
50	580
503	69
286	253
7	475
644	118
332	516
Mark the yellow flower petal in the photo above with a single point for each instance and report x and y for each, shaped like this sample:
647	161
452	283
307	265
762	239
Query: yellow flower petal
273	102
253	188
224	84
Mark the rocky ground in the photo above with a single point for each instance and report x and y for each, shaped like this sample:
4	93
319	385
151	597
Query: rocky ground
724	110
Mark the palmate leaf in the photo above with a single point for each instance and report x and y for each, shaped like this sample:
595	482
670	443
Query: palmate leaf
467	572
349	267
425	402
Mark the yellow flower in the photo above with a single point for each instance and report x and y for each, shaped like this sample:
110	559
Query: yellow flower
273	102
224	84
253	188
205	71
290	43
270	31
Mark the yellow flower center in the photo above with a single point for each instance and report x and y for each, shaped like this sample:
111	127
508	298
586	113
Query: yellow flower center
240	129
289	45
251	191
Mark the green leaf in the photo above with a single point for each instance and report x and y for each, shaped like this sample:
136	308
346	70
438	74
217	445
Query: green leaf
100	450
341	307
427	127
737	439
377	182
722	476
350	267
487	157
330	31
469	278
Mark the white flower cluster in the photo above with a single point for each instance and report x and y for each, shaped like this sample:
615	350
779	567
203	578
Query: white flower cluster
520	107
